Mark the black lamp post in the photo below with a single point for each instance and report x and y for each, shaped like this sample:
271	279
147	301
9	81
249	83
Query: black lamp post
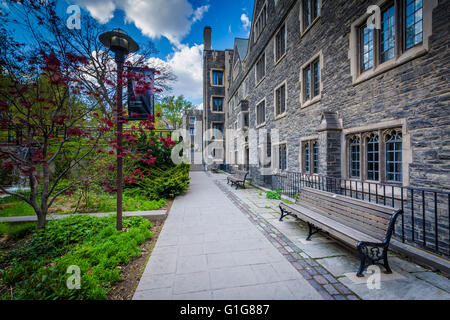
121	44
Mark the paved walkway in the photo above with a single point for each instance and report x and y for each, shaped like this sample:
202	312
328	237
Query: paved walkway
209	249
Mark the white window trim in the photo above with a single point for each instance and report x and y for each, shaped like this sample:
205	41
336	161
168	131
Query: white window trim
212	78
195	119
223	105
275	61
304	30
313	100
410	54
262	124
282	115
256	69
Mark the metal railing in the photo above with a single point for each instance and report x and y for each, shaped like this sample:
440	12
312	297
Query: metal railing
425	222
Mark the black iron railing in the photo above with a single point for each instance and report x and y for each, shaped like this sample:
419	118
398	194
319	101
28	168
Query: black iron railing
425	222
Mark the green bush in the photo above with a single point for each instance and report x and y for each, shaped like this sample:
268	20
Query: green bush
38	270
165	183
274	194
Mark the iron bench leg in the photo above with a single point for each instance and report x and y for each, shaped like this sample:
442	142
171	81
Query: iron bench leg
374	252
311	231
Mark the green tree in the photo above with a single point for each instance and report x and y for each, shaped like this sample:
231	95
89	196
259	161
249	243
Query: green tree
171	110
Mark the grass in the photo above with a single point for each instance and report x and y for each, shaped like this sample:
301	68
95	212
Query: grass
17	231
38	268
97	203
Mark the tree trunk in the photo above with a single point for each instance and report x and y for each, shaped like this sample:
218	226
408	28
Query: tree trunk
41	220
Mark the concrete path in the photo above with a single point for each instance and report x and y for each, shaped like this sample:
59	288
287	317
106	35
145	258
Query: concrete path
408	282
209	249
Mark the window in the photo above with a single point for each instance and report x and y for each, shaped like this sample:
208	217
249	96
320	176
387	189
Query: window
280	100
355	157
280	43
311	80
307	167
217	130
315	157
382	158
310	156
192	131
387	34
373	156
261	68
217	78
192	120
366	48
311	10
401	29
217	104
261	113
282	156
394	156
414	23
260	23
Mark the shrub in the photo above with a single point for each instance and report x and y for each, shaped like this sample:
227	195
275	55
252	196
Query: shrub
38	270
274	194
17	231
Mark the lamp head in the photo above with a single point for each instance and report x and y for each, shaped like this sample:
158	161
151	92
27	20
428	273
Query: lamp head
119	41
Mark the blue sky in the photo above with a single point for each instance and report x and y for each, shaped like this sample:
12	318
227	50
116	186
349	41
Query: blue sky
176	29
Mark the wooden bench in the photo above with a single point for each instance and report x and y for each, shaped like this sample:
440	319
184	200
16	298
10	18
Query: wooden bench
363	225
238	178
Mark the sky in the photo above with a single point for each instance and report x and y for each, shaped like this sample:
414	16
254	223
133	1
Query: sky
176	29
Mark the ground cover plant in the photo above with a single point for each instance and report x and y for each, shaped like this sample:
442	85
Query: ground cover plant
37	268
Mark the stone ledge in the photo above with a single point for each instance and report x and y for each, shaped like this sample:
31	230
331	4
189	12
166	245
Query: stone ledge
154	215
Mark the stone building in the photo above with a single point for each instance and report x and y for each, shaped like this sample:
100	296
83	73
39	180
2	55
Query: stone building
350	99
192	124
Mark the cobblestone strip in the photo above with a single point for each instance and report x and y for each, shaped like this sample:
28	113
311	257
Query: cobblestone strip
325	283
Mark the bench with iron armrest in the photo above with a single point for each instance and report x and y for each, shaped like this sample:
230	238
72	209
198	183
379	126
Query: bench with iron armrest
363	225
238	178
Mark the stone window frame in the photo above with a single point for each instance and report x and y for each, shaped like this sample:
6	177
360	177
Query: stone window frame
275	60
192	131
305	103
212	105
302	160
190	118
275	156
262	56
282	115
402	55
212	77
303	29
382	130
262	124
257	36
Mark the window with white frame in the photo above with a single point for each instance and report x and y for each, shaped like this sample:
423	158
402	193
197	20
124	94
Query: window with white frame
217	104
376	156
217	128
191	131
261	68
192	120
280	43
261	113
217	77
280	100
260	23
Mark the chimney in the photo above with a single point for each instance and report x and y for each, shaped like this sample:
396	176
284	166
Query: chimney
207	38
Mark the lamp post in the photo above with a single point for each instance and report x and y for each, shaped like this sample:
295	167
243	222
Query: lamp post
121	44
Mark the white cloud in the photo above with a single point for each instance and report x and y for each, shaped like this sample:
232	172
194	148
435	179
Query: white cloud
186	64
155	18
199	12
245	21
